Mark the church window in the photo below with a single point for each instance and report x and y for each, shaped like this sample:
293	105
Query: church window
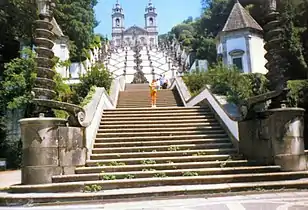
238	62
117	22
151	21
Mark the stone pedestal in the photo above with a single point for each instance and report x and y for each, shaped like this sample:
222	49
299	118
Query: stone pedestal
275	137
50	148
287	137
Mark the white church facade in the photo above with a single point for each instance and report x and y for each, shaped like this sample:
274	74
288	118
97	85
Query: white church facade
241	42
147	35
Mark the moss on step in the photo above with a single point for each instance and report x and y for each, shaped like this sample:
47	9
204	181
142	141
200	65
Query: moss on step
148	162
92	188
190	173
173	148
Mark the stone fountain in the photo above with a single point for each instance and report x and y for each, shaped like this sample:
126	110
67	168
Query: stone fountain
270	131
51	146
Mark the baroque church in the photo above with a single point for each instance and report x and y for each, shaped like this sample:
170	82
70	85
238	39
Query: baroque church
147	35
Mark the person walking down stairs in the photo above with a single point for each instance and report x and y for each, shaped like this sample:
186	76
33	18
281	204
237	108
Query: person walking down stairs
153	91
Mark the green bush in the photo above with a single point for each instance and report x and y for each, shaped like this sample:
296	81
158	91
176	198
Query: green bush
15	94
98	76
227	81
298	95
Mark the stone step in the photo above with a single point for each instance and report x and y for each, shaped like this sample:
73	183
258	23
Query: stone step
155	160
155	111
159	133
166	181
164	166
208	114
132	118
154	126
144	122
97	149
163	173
147	193
133	143
162	138
145	90
97	155
145	106
158	129
145	100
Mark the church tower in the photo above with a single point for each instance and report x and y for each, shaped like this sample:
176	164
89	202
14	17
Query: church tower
117	24
150	17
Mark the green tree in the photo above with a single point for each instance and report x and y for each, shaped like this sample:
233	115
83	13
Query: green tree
77	20
16	19
98	76
292	42
18	81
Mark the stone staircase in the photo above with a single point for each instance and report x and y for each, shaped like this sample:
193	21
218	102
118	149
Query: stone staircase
138	95
138	148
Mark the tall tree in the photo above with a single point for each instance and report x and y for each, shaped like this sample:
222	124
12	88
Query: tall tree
77	20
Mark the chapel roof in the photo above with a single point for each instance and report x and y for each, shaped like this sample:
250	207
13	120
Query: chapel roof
56	28
239	18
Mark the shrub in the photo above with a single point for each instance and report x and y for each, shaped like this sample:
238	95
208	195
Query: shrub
98	76
227	81
298	95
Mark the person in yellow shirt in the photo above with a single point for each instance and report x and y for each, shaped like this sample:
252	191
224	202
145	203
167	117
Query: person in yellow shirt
153	92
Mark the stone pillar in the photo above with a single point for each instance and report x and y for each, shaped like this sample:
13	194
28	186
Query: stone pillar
275	136
40	149
50	148
287	137
72	149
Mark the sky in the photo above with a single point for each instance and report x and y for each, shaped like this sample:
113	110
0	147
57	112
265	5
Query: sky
170	13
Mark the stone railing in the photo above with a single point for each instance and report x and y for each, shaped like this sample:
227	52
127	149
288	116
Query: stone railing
94	110
228	121
183	91
117	85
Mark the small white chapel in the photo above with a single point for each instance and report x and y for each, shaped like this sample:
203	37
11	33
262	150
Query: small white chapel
241	42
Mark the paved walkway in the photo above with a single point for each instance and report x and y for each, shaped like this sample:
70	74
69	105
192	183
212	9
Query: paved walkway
265	201
8	178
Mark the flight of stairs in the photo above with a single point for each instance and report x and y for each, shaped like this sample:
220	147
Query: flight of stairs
168	150
138	95
169	146
142	147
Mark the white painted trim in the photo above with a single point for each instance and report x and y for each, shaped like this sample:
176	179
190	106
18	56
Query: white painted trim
188	101
231	124
94	111
182	89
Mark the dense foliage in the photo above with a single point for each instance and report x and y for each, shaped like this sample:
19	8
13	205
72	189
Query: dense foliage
76	18
15	95
97	76
199	35
227	81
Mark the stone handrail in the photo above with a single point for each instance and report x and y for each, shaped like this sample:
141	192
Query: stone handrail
182	89
117	85
94	110
228	121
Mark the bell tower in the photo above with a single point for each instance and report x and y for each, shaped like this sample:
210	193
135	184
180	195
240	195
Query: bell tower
150	17
117	24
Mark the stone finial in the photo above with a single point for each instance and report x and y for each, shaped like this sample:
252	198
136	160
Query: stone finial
272	5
